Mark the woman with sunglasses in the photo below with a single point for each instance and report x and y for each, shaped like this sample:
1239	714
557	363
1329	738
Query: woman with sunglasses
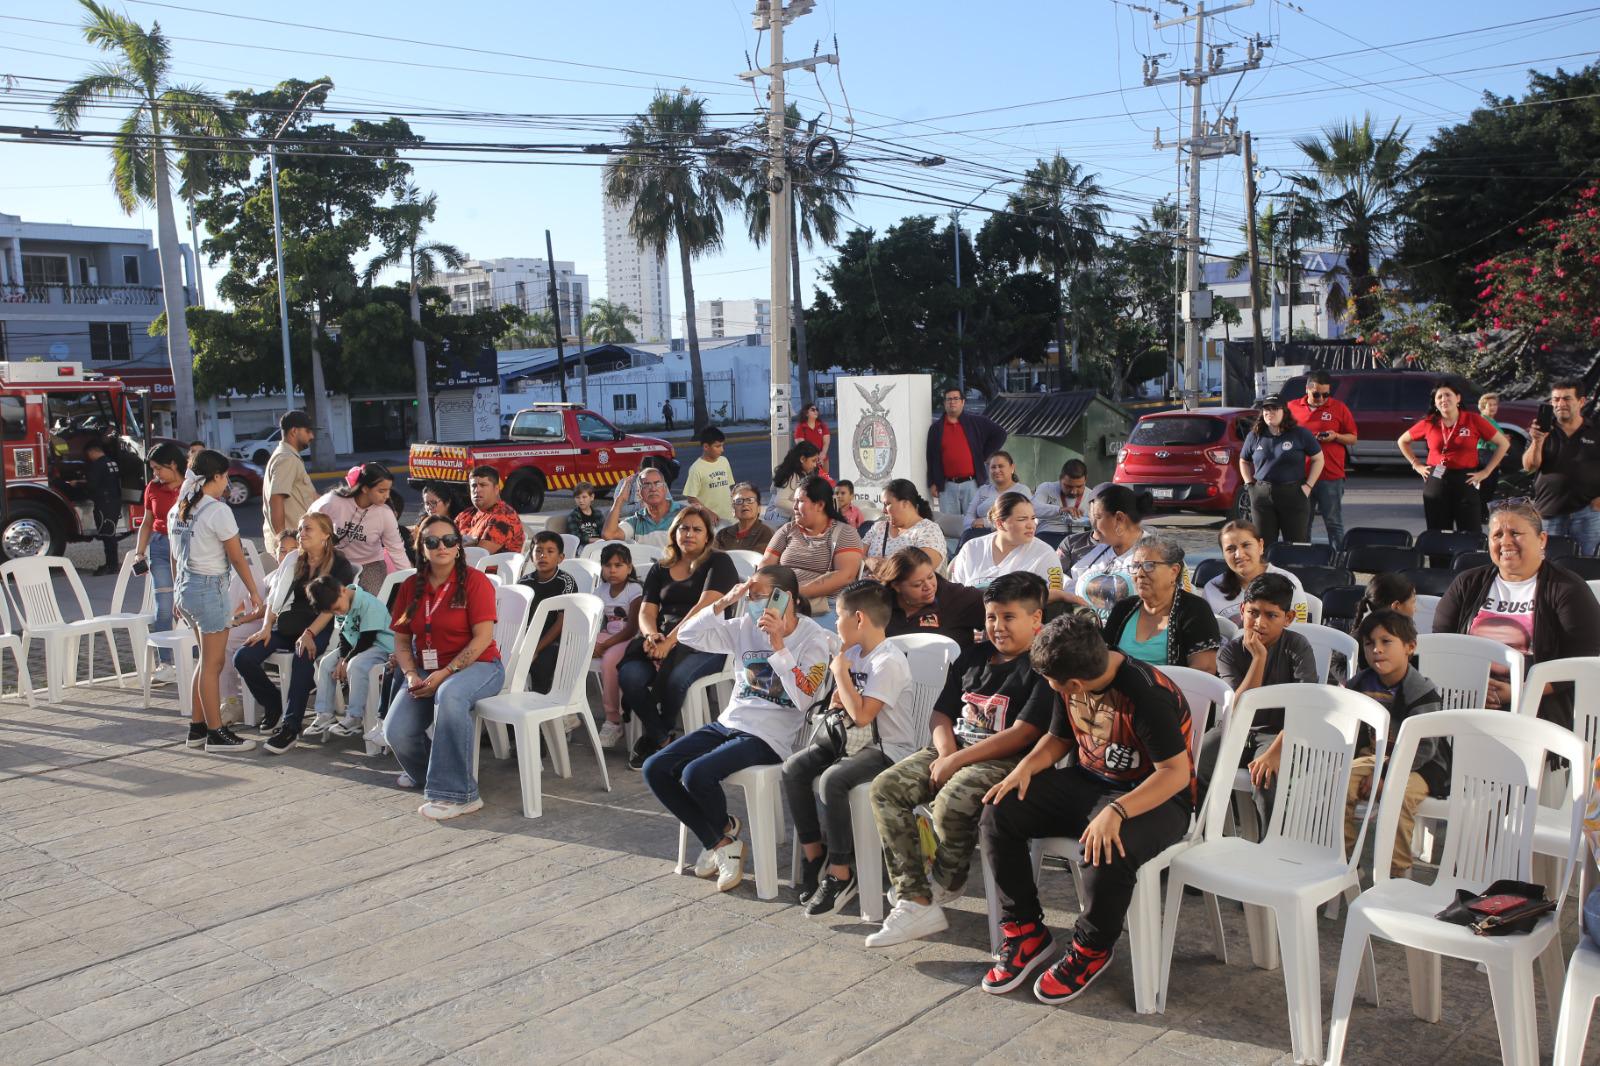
444	619
813	429
1160	623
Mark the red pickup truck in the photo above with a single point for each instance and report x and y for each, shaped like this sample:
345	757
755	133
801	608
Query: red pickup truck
549	446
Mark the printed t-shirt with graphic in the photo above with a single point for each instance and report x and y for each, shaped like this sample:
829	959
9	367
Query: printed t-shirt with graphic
956	612
885	675
1456	447
365	625
772	690
1232	607
975	564
364	534
499	523
1123	731
712	484
983	696
615	606
437	624
588	528
1506	616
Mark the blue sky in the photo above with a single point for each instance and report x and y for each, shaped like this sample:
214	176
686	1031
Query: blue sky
990	87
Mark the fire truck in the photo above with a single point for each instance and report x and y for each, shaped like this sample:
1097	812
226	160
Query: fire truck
48	412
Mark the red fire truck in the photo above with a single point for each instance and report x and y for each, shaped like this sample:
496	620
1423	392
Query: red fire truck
48	411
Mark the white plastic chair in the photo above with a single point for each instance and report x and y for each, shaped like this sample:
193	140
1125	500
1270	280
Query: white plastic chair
1300	862
1594	587
1427	607
180	641
570	545
1313	608
1550	835
1206	695
1227	628
506	565
513	604
476	555
1326	642
10	641
30	584
644	555
930	656
1497	762
586	572
525	712
1582	985
745	563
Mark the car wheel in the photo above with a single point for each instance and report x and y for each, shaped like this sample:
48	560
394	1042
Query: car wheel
525	493
1242	511
260	457
30	530
238	493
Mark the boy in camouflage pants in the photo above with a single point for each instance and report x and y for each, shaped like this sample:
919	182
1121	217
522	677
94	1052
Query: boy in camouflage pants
992	710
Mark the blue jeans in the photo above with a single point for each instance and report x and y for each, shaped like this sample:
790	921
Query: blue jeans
637	680
1582	525
686	776
443	767
159	555
358	672
1327	498
956	497
249	661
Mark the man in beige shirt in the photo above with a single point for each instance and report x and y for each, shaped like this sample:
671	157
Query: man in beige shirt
287	491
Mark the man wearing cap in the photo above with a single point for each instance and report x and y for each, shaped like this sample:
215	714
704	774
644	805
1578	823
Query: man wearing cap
1334	426
286	490
1281	464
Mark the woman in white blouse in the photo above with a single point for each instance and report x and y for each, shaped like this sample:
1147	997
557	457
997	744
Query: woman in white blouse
907	522
1010	548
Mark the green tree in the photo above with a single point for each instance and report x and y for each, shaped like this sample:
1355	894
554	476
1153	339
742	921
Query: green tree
528	329
674	195
138	74
816	201
1053	222
607	323
1126	303
400	231
1355	183
1473	185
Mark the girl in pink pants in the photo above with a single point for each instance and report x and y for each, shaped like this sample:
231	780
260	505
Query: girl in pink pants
620	592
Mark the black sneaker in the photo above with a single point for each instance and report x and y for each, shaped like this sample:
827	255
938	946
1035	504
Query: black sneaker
831	895
223	742
269	722
810	874
1075	972
282	741
1024	948
643	748
197	735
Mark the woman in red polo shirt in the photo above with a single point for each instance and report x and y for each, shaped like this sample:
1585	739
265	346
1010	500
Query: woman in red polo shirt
812	428
1450	478
444	627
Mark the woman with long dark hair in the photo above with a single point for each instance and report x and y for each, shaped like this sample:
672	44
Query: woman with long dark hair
1280	463
813	429
1244	554
167	461
205	546
1451	477
444	644
800	463
364	526
907	522
821	548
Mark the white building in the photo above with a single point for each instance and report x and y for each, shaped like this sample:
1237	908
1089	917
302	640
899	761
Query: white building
732	318
1320	305
482	284
635	276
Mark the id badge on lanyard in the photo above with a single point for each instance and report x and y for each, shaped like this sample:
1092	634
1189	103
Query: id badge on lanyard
430	656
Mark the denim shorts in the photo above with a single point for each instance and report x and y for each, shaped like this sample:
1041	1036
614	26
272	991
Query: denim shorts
203	600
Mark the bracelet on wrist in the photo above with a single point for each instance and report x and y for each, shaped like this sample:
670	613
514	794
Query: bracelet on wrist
1122	812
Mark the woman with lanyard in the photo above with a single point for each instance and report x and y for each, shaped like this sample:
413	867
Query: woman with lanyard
364	526
1161	624
1101	575
813	429
1010	548
167	461
907	522
444	620
1451	477
1280	463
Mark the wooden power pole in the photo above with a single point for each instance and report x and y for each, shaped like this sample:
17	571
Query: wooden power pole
1257	358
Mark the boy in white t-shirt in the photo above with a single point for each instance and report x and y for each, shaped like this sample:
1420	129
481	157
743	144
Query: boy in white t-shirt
874	690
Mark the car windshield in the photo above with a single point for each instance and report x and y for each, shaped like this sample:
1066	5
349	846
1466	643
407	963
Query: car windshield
1182	429
538	425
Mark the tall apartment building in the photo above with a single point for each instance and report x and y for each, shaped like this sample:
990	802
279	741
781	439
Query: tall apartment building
636	277
487	283
732	318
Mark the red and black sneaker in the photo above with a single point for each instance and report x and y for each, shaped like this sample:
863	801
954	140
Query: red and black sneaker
1075	972
1024	947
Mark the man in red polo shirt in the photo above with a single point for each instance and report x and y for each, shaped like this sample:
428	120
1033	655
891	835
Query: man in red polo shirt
959	446
1331	422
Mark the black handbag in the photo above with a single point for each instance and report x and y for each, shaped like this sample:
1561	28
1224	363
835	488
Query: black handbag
1507	906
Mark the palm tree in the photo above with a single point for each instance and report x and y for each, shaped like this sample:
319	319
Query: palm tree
816	203
140	169
402	243
607	323
1355	183
675	195
532	329
1053	222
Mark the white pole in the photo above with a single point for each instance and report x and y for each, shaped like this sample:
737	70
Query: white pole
283	295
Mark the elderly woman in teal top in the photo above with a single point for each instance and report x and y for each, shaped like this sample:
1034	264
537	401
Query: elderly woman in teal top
1161	624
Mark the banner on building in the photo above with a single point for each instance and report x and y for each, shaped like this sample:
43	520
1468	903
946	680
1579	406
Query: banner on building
883	429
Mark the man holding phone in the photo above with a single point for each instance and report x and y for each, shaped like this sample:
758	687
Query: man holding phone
1564	450
1333	424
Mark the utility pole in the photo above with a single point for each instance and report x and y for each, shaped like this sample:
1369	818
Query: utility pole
1205	141
1257	359
555	314
773	16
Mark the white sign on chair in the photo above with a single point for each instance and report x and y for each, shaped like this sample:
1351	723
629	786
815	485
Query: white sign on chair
882	427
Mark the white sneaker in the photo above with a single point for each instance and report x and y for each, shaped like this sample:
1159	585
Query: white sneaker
611	734
443	812
571	723
165	675
232	711
909	921
730	866
404	781
374	736
942	896
706	865
348	726
319	726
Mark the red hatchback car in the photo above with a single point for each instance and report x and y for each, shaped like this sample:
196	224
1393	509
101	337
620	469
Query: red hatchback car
1189	460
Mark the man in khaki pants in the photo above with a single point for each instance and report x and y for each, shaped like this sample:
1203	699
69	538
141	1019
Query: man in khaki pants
286	491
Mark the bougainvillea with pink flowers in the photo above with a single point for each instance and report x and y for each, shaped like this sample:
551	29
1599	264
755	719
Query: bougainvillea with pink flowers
1549	289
